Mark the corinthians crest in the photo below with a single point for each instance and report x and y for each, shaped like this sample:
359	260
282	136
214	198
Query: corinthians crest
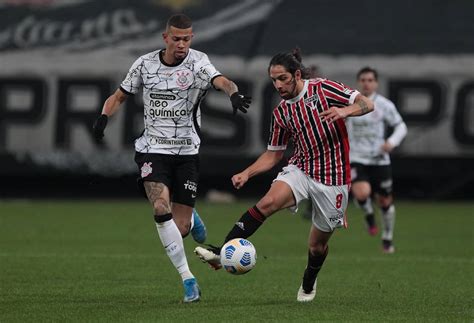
184	79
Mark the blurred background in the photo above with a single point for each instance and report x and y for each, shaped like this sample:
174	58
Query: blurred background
60	60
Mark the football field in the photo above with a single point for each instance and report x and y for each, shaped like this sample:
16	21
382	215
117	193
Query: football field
103	261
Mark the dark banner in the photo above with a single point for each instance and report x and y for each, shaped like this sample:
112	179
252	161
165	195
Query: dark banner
60	60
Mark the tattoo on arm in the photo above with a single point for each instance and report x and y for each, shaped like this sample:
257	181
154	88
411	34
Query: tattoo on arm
154	191
363	106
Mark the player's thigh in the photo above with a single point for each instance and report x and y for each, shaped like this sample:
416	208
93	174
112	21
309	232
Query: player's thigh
155	178
279	196
360	188
329	206
185	180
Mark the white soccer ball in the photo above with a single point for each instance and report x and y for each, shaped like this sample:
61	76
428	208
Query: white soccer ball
238	256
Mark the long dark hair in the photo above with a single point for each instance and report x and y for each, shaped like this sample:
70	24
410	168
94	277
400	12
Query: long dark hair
291	61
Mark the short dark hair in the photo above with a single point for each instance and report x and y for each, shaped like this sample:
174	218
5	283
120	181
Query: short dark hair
291	61
180	21
368	69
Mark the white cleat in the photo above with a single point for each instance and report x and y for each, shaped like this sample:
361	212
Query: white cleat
209	257
305	297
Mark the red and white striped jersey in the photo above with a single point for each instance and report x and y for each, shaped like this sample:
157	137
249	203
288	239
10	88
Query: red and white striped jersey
321	149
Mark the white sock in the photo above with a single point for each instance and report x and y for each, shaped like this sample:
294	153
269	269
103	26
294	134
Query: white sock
366	206
388	223
192	222
173	242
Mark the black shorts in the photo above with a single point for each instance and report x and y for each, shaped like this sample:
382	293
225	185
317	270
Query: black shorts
379	177
180	173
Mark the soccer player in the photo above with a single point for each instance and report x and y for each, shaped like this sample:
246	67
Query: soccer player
174	81
370	160
312	113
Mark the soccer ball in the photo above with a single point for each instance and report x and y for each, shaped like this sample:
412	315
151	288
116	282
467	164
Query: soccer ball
238	256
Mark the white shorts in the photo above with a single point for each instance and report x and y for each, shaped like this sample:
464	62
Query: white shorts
329	202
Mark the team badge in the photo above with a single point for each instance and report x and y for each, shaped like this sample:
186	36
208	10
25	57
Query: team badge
146	169
183	79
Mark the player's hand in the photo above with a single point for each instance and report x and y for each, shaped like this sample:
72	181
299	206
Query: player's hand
332	114
240	102
239	180
99	126
387	147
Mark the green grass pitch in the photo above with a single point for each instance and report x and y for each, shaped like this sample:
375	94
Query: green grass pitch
103	261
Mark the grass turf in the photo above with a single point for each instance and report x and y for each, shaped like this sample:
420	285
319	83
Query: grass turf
102	261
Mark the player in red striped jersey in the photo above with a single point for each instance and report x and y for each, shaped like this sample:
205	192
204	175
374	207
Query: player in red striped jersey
312	113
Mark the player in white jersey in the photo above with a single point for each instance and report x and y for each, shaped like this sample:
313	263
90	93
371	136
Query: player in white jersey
370	160
174	82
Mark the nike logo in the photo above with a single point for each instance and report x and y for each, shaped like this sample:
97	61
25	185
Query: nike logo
193	196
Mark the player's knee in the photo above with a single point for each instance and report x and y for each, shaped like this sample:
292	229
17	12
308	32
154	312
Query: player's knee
385	202
267	205
161	207
318	249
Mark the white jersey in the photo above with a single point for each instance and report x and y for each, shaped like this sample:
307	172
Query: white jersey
367	132
171	99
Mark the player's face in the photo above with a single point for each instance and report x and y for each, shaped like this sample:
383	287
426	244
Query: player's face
284	82
178	42
367	83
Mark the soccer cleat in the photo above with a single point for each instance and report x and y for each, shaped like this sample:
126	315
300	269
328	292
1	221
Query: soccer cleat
371	225
373	230
199	231
210	256
192	293
387	247
304	296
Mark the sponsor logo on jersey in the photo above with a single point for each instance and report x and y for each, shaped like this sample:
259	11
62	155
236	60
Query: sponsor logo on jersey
170	141
162	112
146	169
162	96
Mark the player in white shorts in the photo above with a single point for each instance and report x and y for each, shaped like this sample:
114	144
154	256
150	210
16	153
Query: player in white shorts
325	215
174	82
312	113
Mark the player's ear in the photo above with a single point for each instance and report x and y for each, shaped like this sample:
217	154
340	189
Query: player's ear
298	75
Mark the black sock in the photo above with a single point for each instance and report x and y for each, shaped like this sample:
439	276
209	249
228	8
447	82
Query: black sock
370	218
247	224
315	262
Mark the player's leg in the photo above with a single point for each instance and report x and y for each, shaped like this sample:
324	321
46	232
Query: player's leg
287	190
362	190
318	250
329	207
383	190
278	197
170	236
185	187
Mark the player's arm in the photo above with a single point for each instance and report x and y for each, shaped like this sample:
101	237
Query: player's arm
111	106
265	162
362	105
239	101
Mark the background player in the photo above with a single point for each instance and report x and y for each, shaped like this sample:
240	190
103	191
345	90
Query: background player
370	160
174	82
312	112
